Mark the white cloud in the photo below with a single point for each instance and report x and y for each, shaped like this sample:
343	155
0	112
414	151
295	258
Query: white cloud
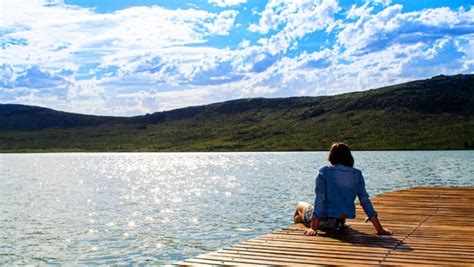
145	101
296	19
383	2
330	72
443	57
359	11
59	33
31	76
244	44
183	65
191	97
223	22
291	76
224	3
66	44
7	75
374	32
466	45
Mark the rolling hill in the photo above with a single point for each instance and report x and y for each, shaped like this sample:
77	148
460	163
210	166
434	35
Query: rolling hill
436	113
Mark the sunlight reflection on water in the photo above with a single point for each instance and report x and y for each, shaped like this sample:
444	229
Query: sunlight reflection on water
106	208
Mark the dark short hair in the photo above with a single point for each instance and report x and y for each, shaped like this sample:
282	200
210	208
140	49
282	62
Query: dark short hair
340	153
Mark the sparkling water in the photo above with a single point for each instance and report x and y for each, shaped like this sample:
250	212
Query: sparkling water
158	208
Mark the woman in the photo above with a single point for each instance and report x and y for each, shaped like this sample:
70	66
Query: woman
336	189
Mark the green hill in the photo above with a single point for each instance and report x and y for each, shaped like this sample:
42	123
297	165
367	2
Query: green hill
436	113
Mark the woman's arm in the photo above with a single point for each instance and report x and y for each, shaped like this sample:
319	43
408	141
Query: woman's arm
366	204
320	199
319	203
364	198
378	226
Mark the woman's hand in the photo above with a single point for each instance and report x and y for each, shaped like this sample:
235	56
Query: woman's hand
385	231
378	226
314	225
311	232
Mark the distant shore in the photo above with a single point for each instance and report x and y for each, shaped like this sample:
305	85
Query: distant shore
432	114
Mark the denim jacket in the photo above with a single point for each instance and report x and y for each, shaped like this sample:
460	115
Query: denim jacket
336	189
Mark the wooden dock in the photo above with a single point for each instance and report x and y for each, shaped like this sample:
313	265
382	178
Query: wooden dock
431	225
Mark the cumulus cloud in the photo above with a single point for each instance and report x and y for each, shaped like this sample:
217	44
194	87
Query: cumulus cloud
296	19
7	76
375	32
78	50
444	57
145	100
244	44
184	65
64	33
200	66
223	22
32	76
224	3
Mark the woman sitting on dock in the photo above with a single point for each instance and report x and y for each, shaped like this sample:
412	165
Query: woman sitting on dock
336	189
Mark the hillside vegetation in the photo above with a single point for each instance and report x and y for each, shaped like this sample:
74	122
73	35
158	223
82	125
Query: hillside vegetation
437	113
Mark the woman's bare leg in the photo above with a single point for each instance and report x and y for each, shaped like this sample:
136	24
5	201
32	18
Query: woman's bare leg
299	212
296	217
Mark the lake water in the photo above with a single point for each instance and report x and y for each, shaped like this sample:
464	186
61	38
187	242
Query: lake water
145	208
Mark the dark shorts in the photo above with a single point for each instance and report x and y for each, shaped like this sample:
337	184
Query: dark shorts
326	223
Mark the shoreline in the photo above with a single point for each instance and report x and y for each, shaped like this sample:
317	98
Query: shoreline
220	151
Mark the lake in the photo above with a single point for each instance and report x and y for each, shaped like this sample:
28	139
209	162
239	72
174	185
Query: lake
157	208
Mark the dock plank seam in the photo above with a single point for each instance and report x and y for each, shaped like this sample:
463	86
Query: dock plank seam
401	242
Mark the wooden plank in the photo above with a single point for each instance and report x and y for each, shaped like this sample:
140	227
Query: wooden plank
308	254
258	258
432	226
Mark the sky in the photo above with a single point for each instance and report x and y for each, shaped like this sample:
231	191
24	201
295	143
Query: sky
125	58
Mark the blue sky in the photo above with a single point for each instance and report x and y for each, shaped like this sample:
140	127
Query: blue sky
111	57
